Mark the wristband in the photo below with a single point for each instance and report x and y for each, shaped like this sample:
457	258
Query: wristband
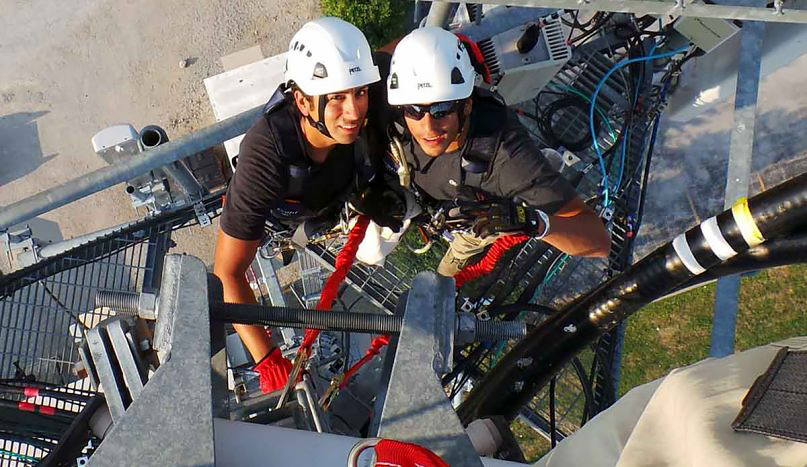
545	218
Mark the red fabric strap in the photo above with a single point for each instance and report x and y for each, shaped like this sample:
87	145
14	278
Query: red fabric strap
373	350
391	453
344	260
487	264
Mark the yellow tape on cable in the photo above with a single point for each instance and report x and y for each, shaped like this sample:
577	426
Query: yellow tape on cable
745	221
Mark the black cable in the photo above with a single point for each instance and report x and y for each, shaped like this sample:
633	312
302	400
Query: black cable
559	338
593	30
790	249
508	312
546	123
588	395
552	422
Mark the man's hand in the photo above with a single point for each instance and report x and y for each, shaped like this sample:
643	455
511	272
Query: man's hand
273	371
382	205
488	218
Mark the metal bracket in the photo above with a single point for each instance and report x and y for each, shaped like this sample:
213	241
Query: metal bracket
201	214
171	422
22	248
416	408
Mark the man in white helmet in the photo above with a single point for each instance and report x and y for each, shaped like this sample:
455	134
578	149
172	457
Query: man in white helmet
298	164
465	146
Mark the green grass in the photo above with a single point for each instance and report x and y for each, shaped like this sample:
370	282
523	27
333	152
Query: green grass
675	332
410	263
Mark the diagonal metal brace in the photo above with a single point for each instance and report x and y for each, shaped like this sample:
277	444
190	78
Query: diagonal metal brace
416	408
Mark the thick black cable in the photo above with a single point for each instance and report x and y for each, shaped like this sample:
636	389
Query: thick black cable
546	122
588	394
791	249
557	339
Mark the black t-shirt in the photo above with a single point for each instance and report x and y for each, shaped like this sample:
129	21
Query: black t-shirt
518	170
261	179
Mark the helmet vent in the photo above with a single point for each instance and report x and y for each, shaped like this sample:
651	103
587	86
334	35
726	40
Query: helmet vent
320	71
393	81
456	76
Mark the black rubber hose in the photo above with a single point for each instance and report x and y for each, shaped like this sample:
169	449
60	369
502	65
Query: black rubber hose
777	252
303	318
562	335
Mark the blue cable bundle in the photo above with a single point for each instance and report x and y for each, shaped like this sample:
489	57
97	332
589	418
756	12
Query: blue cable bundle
597	89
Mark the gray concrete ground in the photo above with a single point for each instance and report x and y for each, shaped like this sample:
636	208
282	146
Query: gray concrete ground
688	173
71	69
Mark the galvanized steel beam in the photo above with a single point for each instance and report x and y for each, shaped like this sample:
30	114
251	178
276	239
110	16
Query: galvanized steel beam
106	177
671	8
738	177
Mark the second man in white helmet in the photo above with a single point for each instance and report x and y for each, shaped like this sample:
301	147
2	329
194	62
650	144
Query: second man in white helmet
465	147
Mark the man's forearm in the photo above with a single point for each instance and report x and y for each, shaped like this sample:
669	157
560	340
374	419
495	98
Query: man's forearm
576	230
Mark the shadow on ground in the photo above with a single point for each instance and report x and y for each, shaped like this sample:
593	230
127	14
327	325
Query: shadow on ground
20	151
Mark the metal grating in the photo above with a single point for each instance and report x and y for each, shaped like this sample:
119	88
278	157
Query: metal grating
382	285
46	309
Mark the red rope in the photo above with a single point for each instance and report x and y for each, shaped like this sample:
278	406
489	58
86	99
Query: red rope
372	351
344	260
487	264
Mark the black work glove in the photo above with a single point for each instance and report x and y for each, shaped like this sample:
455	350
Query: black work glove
487	218
385	206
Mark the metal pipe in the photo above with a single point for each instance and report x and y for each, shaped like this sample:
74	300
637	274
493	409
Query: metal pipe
106	177
656	8
152	136
129	302
439	14
738	176
53	249
511	385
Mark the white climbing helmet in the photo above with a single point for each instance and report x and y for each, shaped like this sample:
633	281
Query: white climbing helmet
329	55
429	65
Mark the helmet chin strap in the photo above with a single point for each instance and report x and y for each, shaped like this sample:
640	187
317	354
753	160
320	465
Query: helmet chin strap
461	120
320	124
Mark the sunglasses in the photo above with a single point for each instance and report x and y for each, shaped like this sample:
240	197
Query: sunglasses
438	110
